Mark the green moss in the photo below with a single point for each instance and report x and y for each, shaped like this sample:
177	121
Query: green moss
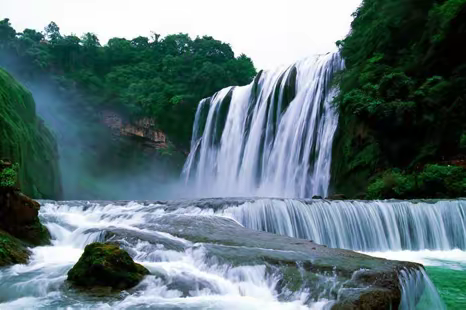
293	278
104	264
25	140
12	250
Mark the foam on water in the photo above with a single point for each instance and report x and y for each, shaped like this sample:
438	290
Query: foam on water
454	259
206	284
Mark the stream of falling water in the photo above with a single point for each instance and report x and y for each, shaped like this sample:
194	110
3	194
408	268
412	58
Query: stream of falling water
272	137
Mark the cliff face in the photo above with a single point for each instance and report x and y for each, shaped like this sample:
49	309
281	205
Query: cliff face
142	128
25	140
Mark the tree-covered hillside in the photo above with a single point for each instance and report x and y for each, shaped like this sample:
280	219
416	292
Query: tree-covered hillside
403	100
160	77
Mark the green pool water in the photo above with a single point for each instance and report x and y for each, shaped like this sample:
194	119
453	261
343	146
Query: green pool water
446	270
451	285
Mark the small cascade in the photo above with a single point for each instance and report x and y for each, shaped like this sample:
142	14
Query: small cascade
270	138
360	225
183	276
418	291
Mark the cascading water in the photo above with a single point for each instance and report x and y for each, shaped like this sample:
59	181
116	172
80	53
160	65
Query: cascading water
360	225
430	233
418	291
270	138
183	275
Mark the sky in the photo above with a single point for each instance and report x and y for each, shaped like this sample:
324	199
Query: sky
271	32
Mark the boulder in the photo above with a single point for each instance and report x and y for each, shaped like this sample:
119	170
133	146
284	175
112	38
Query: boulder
19	216
106	265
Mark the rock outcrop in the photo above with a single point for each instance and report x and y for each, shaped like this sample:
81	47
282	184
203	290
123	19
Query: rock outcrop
106	265
143	128
19	219
19	216
12	250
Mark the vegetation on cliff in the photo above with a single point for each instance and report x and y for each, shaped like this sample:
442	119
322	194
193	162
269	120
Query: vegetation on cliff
25	140
106	265
159	77
402	102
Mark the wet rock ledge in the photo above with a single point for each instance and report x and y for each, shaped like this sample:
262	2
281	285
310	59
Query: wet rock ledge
351	279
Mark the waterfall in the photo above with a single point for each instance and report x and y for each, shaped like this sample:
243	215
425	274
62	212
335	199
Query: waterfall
270	138
418	291
360	225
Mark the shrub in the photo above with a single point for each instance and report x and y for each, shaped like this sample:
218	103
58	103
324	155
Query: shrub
9	176
435	181
392	184
443	181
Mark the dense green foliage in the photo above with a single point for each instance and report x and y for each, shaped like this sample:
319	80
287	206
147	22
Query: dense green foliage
433	181
402	102
9	176
164	78
25	140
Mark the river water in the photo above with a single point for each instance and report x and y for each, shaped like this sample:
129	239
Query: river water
432	233
184	276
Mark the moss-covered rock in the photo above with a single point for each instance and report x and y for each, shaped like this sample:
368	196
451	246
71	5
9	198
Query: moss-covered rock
106	265
12	250
25	140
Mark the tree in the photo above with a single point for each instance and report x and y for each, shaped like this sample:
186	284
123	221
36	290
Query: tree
52	32
161	78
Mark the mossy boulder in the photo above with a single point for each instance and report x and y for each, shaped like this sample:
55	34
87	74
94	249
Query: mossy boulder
106	265
12	250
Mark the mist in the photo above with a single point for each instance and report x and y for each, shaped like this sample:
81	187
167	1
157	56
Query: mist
95	162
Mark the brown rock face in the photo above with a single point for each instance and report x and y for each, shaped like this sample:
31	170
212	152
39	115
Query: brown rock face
19	217
144	128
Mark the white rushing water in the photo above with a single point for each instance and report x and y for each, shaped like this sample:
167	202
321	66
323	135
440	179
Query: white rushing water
184	279
270	138
360	225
